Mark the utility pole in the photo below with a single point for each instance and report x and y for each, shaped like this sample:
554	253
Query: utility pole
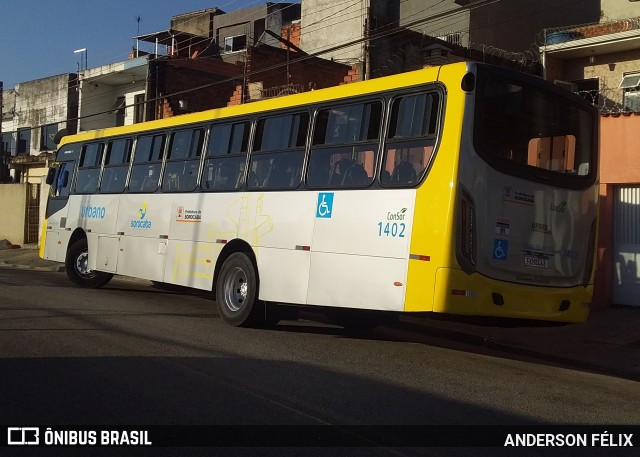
288	50
3	159
138	19
366	70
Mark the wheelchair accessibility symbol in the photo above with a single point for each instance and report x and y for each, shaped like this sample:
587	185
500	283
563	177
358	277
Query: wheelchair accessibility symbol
500	249
324	208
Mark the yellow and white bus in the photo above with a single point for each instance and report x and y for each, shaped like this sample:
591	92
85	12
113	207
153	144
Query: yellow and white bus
462	189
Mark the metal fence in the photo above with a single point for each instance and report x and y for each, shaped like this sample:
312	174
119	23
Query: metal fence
32	214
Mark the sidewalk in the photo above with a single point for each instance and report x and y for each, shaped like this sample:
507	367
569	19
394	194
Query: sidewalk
25	258
609	342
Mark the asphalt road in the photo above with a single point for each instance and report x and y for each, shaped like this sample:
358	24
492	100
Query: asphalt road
132	354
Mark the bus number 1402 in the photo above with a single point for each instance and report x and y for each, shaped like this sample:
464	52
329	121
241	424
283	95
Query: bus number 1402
392	229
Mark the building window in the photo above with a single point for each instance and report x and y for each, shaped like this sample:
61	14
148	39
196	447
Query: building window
630	86
235	43
138	103
9	143
47	133
589	89
24	141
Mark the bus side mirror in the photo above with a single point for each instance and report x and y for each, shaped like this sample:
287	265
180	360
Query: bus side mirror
65	178
50	175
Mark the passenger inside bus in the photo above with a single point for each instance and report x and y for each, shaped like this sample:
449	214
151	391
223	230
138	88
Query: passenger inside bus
279	173
338	172
403	173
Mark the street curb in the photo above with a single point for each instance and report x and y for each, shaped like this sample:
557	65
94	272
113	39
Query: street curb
53	268
492	343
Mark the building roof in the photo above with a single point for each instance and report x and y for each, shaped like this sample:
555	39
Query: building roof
167	37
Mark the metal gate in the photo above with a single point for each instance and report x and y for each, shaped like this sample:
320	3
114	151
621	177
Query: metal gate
626	246
32	214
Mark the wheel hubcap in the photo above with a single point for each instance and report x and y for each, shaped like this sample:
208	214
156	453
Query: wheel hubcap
82	264
236	289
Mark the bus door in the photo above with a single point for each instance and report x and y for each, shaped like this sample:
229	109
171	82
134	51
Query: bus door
59	179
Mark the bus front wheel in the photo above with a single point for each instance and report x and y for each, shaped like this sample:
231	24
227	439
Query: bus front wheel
77	267
237	292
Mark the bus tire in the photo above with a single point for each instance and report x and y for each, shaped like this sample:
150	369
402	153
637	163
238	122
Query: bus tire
237	292
76	267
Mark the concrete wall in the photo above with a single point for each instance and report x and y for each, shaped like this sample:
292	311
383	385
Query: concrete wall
240	22
35	175
100	88
414	10
619	9
34	104
618	165
619	162
327	23
607	68
197	23
515	25
96	98
101	98
13	199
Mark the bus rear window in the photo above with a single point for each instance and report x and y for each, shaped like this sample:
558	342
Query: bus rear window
520	126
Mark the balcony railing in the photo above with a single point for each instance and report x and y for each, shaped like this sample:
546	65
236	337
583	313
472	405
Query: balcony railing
559	35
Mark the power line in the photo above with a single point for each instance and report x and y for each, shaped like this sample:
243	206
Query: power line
383	33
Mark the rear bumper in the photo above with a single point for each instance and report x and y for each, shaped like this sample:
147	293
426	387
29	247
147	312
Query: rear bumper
459	293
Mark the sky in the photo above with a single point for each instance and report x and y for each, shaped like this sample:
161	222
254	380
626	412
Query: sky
39	36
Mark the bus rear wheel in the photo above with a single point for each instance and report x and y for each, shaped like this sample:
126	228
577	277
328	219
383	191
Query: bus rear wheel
77	267
237	292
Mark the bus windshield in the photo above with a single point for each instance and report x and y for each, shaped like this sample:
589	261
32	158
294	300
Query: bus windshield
520	128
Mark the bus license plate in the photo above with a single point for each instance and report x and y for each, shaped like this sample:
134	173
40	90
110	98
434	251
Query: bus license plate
536	260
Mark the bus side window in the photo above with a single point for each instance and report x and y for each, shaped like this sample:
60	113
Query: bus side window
89	170
278	152
224	166
116	166
147	160
345	146
183	160
411	140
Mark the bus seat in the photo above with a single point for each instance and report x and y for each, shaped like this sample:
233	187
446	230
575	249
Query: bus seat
111	184
226	176
252	180
90	184
149	184
355	175
173	185
404	173
278	175
338	172
318	175
189	183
